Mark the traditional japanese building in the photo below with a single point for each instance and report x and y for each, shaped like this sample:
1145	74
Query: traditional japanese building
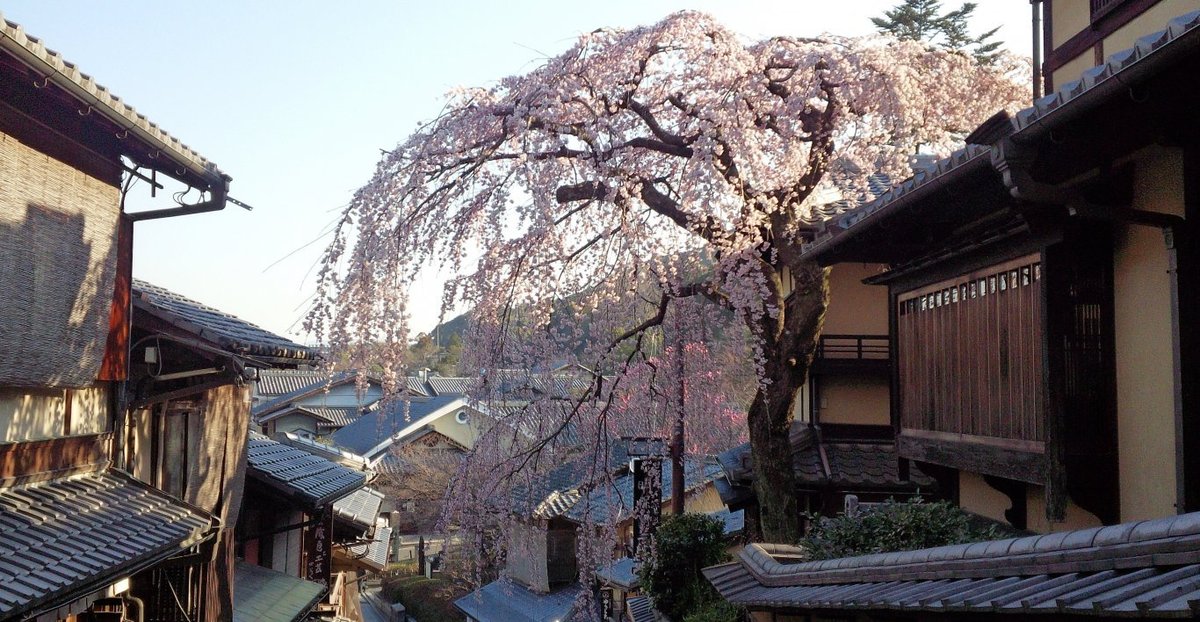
1043	332
91	518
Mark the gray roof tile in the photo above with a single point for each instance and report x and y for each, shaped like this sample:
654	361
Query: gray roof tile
1108	571
51	531
275	382
55	67
227	331
1042	112
300	474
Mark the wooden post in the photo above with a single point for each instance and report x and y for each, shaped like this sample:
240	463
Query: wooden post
677	435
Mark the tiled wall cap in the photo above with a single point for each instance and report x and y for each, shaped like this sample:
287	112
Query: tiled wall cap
1148	43
1179	25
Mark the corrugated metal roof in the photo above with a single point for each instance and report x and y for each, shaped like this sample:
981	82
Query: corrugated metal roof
1147	568
374	553
504	601
78	533
359	508
300	474
264	595
227	331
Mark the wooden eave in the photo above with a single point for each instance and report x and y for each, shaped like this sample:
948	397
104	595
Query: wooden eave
925	218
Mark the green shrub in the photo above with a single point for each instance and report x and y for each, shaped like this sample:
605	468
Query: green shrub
715	611
426	600
683	545
893	526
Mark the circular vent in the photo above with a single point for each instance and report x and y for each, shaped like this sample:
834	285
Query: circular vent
462	416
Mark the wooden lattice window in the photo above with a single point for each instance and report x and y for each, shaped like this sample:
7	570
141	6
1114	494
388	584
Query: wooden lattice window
1100	8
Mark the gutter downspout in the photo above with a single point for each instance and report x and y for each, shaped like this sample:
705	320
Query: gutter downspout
219	189
1036	6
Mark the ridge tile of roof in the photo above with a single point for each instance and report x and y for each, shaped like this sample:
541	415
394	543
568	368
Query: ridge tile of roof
33	52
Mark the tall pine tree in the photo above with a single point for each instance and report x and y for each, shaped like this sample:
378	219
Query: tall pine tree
923	20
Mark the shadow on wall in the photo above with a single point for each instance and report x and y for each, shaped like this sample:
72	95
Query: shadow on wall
57	272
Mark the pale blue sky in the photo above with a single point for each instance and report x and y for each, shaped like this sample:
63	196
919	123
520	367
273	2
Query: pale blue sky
295	99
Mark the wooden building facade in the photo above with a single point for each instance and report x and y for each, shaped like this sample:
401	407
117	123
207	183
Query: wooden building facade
1041	295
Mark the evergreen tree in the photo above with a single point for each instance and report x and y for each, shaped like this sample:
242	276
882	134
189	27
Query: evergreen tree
923	20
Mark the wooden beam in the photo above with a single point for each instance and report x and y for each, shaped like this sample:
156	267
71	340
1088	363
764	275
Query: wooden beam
985	459
1054	466
1185	278
35	461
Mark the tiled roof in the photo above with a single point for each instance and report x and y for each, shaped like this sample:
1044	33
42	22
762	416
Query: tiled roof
43	60
64	538
329	452
298	473
275	382
228	332
1103	80
446	385
608	502
264	595
322	383
1147	568
844	463
374	553
1045	107
621	573
335	416
328	418
503	601
962	161
377	425
359	508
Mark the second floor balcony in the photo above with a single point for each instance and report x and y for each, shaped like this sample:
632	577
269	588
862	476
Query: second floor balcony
852	354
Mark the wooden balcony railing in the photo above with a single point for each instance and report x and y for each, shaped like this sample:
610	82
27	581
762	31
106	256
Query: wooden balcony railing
852	353
1100	8
853	347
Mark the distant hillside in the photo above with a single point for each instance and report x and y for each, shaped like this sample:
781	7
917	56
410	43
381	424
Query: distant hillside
453	327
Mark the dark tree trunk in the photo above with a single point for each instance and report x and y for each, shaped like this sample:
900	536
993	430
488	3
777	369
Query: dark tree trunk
789	343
